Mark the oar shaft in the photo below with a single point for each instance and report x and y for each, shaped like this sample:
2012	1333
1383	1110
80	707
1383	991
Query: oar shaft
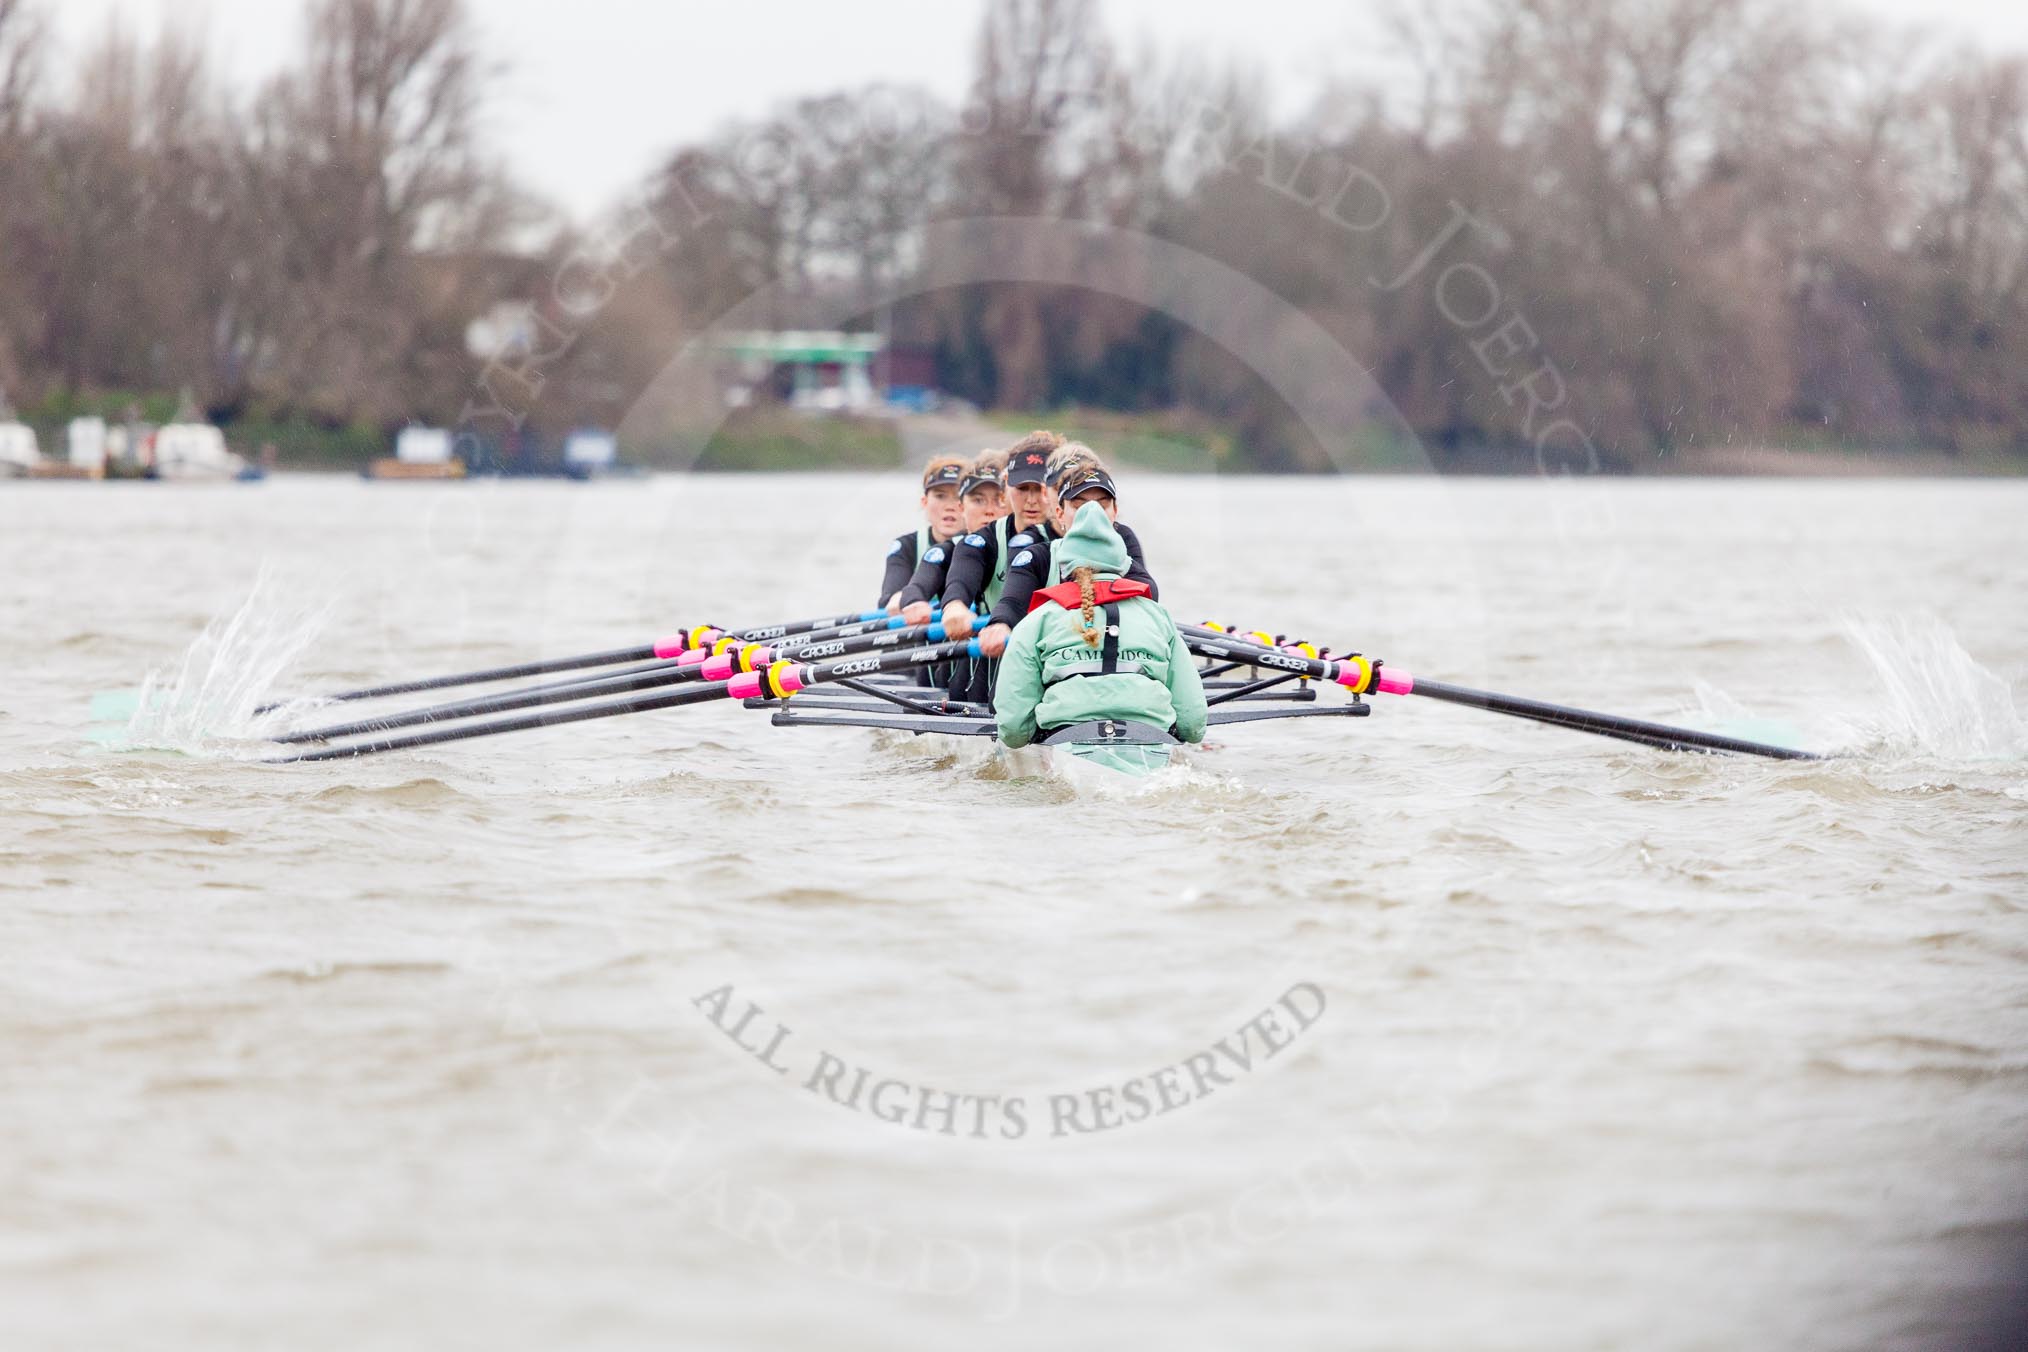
639	653
547	718
711	643
1586	720
762	633
1360	676
782	677
663	674
649	677
859	620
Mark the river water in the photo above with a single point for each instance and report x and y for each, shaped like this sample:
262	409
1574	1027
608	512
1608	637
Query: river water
1430	1030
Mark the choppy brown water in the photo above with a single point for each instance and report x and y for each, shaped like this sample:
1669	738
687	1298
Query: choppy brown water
1617	1049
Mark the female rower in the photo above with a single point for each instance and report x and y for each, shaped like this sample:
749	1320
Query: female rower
1031	568
971	679
943	519
1096	647
984	499
1065	461
979	560
981	503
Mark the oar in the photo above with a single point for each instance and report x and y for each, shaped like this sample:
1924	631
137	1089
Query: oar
711	643
1362	675
706	643
779	679
674	645
746	657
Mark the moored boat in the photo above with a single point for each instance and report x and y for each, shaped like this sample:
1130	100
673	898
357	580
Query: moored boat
421	454
194	453
19	453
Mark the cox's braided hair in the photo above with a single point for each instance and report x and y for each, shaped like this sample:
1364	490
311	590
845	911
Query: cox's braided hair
1088	606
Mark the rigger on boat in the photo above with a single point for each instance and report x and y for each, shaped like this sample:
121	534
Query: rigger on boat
1020	609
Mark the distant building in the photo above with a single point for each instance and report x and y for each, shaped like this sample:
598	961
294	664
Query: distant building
507	330
816	370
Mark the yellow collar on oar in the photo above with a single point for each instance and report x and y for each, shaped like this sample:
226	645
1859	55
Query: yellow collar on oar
1364	670
775	670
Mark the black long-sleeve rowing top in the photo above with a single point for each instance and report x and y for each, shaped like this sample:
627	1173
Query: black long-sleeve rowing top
903	554
972	566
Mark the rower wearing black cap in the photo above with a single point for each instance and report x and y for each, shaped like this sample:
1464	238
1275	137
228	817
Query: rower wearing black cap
979	559
1029	569
982	502
943	518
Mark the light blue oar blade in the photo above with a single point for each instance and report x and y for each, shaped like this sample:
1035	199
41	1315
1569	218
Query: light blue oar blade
115	706
1773	731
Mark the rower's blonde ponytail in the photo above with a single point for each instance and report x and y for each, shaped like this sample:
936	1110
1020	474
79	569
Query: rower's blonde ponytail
1088	601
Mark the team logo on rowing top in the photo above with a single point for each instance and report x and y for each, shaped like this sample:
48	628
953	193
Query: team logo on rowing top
893	547
975	541
1024	538
1023	557
935	555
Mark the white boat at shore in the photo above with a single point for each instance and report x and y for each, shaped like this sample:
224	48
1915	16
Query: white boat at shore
195	452
19	453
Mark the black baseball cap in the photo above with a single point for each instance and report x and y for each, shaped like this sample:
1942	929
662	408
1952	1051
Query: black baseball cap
1066	468
1085	482
944	474
1027	467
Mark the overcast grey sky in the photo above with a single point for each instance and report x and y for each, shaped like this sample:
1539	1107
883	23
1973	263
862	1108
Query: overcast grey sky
595	91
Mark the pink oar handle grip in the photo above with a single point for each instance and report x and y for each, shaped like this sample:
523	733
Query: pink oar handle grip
750	684
689	647
727	664
1354	672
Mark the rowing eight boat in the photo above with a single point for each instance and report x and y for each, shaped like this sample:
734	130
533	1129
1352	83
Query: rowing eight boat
867	670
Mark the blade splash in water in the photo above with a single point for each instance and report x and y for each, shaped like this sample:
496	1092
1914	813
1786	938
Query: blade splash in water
211	693
1936	698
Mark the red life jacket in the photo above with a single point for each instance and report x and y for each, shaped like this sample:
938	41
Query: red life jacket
1070	595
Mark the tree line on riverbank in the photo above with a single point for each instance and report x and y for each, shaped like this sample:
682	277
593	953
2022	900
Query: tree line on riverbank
1550	230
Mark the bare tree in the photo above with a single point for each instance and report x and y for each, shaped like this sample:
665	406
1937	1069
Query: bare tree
379	207
21	49
1718	218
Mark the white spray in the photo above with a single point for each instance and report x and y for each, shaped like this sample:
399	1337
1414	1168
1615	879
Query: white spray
226	673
